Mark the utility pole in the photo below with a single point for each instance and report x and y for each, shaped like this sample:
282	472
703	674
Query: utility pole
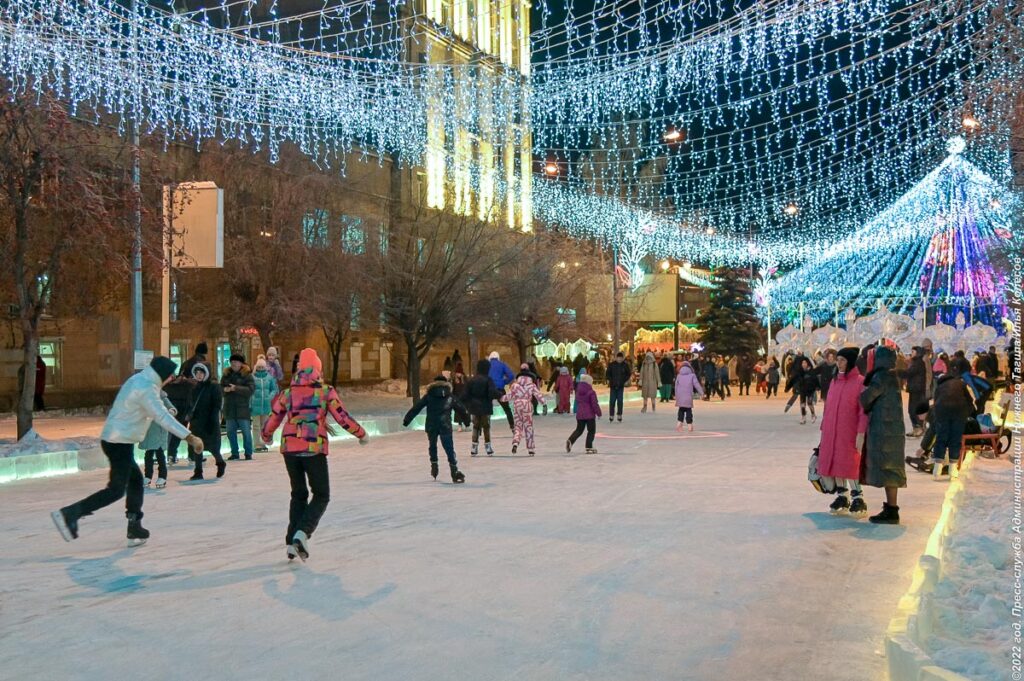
616	302
137	338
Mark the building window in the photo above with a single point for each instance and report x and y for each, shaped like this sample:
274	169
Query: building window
179	352
354	319
353	235
382	234
43	291
173	304
223	360
314	228
51	352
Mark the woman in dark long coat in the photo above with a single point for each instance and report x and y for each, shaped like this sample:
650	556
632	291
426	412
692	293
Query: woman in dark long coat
205	419
884	455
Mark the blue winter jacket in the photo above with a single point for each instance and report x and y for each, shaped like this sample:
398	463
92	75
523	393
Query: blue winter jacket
501	374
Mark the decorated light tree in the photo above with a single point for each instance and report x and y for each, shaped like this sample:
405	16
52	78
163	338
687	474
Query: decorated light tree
729	325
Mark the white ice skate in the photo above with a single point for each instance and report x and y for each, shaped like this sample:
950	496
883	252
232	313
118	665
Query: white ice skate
160	483
300	542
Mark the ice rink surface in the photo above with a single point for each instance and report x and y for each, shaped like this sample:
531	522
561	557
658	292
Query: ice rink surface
663	557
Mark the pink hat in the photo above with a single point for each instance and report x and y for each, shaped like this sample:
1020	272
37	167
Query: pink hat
308	359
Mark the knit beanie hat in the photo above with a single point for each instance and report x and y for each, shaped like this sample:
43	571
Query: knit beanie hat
850	355
587	378
164	367
201	349
308	359
236	358
524	366
483	366
261	364
494	355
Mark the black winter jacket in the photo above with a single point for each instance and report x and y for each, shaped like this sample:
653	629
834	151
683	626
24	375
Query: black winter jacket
916	375
439	403
618	374
952	400
667	371
237	401
205	410
480	394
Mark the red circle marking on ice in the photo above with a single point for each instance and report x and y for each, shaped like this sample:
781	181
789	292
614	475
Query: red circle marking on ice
698	436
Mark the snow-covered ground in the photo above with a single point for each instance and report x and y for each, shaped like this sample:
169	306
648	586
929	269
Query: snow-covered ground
969	608
664	557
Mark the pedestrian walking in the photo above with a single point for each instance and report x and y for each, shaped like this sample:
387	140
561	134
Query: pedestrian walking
302	409
618	375
441	404
711	379
687	386
137	404
479	401
521	393
204	419
827	372
724	379
237	385
264	391
649	381
772	379
502	375
564	387
587	413
667	374
744	373
885	465
843	425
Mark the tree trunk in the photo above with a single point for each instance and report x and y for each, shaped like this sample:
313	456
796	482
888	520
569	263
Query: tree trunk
265	340
26	401
413	364
335	340
522	347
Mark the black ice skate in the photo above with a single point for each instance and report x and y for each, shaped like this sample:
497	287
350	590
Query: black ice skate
591	450
514	448
433	469
858	509
221	467
457	476
137	534
531	452
66	522
840	506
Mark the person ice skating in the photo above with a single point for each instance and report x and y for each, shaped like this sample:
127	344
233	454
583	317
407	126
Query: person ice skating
206	404
521	393
649	381
587	413
479	400
137	404
772	379
953	404
564	387
440	403
618	375
916	376
153	445
667	375
806	385
885	439
827	372
237	386
843	425
686	386
794	376
502	375
303	408
274	367
264	390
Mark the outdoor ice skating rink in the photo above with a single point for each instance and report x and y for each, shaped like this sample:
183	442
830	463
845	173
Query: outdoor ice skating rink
662	558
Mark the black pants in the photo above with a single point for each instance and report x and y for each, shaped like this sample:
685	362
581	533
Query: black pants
685	415
508	414
125	479
37	403
916	398
481	423
199	460
806	402
173	440
745	384
771	389
590	425
615	397
304	514
161	463
724	385
446	442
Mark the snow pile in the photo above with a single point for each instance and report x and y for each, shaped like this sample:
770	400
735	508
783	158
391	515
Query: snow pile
391	386
33	443
969	609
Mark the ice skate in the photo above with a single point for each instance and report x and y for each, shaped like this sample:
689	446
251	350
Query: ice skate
531	452
145	482
789	405
221	467
457	476
840	506
488	449
196	476
591	450
160	483
643	410
300	542
514	447
568	446
803	421
433	469
474	450
67	524
858	509
890	515
137	534
291	552
620	418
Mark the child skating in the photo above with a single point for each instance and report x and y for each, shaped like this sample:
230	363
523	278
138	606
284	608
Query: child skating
154	444
480	394
303	409
687	385
587	413
440	402
521	393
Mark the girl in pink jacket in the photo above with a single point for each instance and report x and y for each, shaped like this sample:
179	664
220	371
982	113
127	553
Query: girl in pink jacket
521	393
842	434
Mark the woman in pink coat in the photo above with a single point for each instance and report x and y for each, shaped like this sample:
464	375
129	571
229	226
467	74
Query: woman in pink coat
563	388
842	433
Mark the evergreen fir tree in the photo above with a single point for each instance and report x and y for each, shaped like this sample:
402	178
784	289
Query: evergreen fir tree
729	326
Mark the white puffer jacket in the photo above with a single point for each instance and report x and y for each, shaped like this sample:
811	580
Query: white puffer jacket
137	405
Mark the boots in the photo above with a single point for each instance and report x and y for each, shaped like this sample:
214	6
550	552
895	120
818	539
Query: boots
488	449
457	476
890	515
66	520
475	449
840	505
433	469
137	534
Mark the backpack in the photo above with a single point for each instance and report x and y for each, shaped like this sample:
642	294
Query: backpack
823	483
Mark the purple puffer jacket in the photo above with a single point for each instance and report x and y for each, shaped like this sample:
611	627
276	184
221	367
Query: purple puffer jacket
586	402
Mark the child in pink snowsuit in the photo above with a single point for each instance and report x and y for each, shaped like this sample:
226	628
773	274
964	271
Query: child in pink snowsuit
521	393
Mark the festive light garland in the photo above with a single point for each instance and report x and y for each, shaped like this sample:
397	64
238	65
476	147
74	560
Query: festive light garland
834	108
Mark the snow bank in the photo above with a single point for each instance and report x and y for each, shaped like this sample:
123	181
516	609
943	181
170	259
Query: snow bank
33	443
951	624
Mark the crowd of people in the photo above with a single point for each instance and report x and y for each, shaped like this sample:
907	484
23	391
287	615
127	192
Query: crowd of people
862	437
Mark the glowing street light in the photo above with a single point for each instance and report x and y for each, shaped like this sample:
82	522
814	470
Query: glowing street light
550	168
710	231
791	209
970	122
665	265
673	136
